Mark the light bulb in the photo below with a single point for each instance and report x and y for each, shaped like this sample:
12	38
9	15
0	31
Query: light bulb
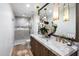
27	5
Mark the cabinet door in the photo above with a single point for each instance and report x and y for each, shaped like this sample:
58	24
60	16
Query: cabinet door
44	51
32	45
35	47
40	49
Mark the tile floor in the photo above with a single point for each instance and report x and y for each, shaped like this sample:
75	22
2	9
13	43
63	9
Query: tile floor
21	50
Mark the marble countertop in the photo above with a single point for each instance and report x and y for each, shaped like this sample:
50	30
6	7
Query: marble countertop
57	48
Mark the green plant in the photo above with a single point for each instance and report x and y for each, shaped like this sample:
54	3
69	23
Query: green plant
55	27
44	30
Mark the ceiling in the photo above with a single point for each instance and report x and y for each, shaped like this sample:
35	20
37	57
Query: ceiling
21	9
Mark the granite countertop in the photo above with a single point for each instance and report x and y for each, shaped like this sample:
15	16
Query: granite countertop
57	48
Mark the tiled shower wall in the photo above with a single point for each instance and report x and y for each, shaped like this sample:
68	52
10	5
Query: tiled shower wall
22	28
21	34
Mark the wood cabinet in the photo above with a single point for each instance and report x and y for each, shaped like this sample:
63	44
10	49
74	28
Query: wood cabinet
38	49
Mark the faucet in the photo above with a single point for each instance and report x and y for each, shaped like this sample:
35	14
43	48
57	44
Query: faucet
70	43
63	40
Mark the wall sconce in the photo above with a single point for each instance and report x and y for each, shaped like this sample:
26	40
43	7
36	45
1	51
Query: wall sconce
45	15
37	7
66	12
55	11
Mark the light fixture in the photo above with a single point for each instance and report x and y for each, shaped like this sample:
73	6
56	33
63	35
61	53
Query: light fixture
55	11
66	12
37	7
27	5
45	15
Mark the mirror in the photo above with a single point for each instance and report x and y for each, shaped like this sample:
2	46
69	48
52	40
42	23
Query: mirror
64	28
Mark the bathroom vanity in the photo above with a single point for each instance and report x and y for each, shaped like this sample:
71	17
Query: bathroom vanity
41	46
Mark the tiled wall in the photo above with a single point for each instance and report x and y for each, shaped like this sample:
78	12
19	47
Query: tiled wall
22	34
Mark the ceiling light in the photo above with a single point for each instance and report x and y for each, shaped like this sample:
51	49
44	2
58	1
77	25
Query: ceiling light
27	5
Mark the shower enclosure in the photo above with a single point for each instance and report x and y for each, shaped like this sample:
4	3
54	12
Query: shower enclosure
22	29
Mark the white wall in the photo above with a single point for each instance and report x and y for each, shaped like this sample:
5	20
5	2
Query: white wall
6	29
21	22
35	21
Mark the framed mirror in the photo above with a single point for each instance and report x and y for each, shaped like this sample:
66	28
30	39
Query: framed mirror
64	28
